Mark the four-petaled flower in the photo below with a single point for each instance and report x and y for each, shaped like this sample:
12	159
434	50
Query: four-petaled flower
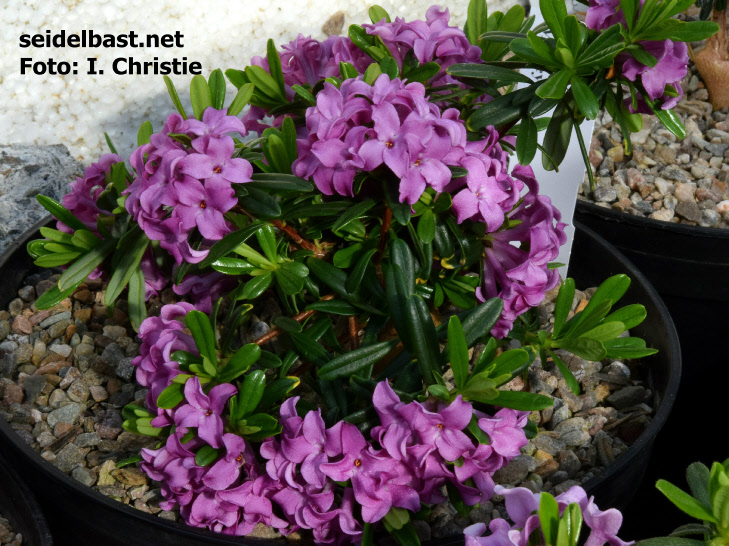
204	411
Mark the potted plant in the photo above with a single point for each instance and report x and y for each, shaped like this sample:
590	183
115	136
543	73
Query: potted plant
376	208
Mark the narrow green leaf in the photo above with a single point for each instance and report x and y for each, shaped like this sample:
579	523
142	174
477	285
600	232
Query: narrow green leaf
242	98
555	86
229	243
199	95
60	212
206	455
250	394
255	287
476	20
145	131
378	13
630	315
697	475
557	137
586	348
422	73
458	351
216	83
352	362
335	307
174	96
264	82
54	296
508	362
421	332
549	517
563	305
354	280
277	390
487	72
572	383
171	396
129	261
526	141
522	401
136	299
355	211
240	362
274	67
605	331
554	13
267	240
684	501
203	334
585	98
82	268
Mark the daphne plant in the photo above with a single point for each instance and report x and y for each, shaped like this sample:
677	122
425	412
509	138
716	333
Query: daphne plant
375	218
707	502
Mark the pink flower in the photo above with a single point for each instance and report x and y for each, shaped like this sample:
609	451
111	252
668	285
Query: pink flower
204	411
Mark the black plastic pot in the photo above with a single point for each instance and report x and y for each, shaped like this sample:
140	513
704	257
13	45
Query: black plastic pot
80	515
689	267
19	506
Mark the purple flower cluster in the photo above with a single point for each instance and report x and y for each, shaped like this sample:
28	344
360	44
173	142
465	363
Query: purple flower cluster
161	336
81	200
361	127
179	189
429	40
672	57
421	448
520	275
522	505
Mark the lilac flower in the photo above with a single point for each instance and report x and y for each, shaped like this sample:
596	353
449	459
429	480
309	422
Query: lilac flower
214	161
204	289
505	431
225	471
81	200
671	67
214	122
253	497
605	526
603	14
379	482
501	534
204	411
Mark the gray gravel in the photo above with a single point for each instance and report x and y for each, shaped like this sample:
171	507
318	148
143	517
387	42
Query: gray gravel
8	537
666	179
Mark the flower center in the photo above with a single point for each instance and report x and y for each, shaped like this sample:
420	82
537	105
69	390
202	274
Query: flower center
210	412
357	462
217	170
239	458
203	204
440	426
389	144
417	162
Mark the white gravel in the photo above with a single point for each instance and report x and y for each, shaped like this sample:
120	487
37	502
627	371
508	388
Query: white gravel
75	110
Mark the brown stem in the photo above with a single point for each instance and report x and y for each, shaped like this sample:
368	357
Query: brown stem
274	332
353	332
290	232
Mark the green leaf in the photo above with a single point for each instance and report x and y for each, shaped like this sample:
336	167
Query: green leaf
354	280
670	541
499	111
563	305
585	98
480	388
174	96
54	296
242	98
206	455
555	86
264	82
627	347
549	517
526	141
83	238
330	275
110	144
356	211
480	320
487	72
229	243
290	277
554	13
233	266
255	287
267	241
684	501
570	525
422	73
136	299
378	13
557	136
588	349
611	289
260	203
277	390
439	391
334	307
274	67
457	351
668	118
697	475
602	51
476	20
605	331
304	94
216	83
251	393
354	361
60	212
426	226
145	131
508	362
129	260
572	383
203	334
630	315
240	362
287	324
279	181
171	396
82	267
199	95
401	256
424	339
522	401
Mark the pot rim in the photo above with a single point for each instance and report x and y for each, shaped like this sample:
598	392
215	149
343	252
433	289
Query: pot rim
648	223
215	538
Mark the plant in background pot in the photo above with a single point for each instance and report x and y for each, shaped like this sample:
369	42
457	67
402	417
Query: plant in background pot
376	210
